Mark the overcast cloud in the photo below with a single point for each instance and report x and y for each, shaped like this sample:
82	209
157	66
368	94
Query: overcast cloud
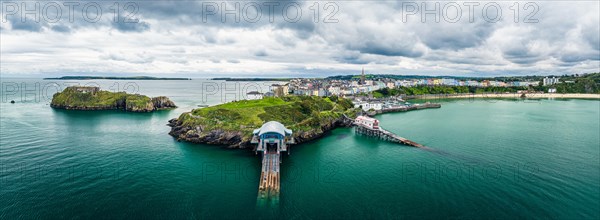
181	38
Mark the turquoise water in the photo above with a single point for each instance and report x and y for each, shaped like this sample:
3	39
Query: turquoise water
486	159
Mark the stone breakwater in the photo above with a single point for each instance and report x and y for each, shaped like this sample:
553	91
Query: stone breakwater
404	108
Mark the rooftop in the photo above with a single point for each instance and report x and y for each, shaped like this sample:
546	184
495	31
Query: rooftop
273	127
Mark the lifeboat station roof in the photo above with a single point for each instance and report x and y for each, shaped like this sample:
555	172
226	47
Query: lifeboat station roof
272	127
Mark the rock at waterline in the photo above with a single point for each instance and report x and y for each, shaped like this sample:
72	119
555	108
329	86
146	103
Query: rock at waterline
92	98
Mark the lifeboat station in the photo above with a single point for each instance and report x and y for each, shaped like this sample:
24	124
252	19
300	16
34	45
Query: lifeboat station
272	139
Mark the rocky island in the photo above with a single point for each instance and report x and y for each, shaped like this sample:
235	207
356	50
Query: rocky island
92	98
231	124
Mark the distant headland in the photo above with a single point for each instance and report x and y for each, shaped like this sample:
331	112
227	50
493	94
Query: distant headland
251	79
115	78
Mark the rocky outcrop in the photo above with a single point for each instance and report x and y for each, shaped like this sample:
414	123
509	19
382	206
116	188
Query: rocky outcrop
162	102
156	103
232	139
92	98
306	136
240	139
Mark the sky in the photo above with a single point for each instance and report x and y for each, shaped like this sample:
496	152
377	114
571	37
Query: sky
298	38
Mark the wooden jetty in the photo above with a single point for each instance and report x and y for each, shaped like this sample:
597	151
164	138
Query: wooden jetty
269	176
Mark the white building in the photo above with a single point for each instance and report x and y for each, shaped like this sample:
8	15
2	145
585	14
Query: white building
390	85
550	81
367	122
368	106
254	95
334	90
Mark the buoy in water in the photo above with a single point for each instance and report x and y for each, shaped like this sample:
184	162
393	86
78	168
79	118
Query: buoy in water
12	101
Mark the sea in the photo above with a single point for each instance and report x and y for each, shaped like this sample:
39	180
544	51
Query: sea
484	159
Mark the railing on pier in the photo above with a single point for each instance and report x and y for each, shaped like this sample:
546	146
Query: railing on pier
269	176
385	135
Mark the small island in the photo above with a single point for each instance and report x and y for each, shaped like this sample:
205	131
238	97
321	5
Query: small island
115	78
231	124
92	98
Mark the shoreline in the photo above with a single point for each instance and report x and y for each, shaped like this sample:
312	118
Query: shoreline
509	95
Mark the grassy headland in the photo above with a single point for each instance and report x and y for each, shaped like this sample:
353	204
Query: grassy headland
232	123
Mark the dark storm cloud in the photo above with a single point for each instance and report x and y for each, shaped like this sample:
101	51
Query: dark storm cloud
592	36
61	28
580	57
261	53
521	56
24	25
388	49
455	36
351	58
366	33
458	58
131	26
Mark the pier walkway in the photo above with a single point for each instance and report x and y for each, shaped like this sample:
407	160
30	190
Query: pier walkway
378	132
269	176
272	138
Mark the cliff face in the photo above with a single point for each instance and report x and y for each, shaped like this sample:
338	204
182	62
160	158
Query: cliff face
241	138
231	124
197	134
92	98
162	102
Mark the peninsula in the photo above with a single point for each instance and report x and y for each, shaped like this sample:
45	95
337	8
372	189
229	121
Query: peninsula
115	78
232	123
92	98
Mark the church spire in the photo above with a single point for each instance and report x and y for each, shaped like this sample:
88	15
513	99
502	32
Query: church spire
362	77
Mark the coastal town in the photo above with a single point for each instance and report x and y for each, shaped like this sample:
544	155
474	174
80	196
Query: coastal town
363	90
362	85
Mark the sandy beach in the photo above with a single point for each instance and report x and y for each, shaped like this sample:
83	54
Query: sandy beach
512	95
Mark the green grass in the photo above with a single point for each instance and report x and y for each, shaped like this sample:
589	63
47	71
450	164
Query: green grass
101	99
299	113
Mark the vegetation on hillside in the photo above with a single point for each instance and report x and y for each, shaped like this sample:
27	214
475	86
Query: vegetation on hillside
589	83
70	98
500	78
423	90
299	113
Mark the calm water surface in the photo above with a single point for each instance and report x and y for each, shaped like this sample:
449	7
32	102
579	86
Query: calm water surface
486	159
